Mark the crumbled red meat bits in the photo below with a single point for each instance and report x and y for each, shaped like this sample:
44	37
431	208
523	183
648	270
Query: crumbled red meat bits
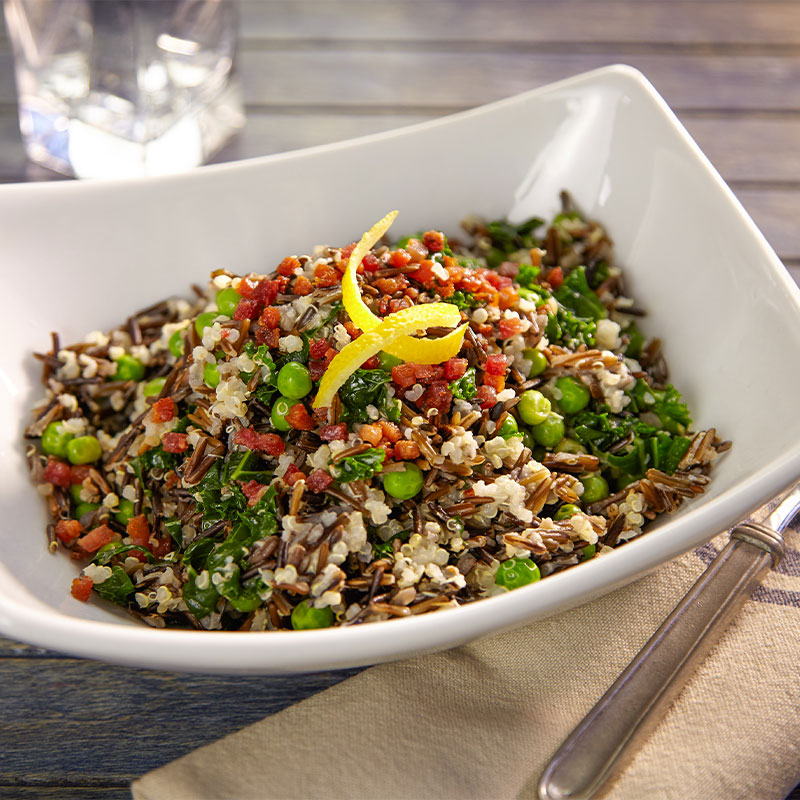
253	491
299	418
138	529
266	291
403	375
496	364
288	266
437	396
292	475
163	410
318	481
270	317
68	529
96	538
455	368
81	588
486	396
269	443
57	473
246	309
175	442
333	433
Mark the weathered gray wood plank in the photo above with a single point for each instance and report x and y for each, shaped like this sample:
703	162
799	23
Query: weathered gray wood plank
742	147
304	76
776	211
395	80
11	649
746	148
60	792
127	721
524	22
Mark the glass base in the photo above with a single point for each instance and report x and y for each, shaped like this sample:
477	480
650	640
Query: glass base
62	141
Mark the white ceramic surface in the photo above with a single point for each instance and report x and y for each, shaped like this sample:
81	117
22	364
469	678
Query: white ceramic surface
81	256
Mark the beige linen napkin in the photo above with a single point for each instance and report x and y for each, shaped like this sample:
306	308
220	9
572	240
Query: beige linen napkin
482	721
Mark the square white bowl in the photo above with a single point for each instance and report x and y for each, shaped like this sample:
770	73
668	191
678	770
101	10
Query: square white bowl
82	256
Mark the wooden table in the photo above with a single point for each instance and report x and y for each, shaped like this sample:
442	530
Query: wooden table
315	72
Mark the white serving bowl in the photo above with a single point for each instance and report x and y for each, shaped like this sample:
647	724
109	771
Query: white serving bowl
82	256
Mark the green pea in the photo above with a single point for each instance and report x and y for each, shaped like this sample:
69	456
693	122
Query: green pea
205	320
570	446
175	343
75	493
566	511
533	407
387	361
305	617
278	414
154	387
509	428
636	340
294	380
575	394
211	375
595	488
538	361
404	484
55	440
588	552
550	432
85	508
528	440
84	450
517	572
125	512
227	300
129	369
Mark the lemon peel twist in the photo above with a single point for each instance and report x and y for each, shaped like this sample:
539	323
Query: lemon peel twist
420	351
389	330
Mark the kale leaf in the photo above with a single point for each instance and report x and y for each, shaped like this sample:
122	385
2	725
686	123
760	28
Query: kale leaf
155	458
245	466
636	445
117	587
198	551
508	237
361	466
570	330
175	530
464	388
200	602
219	500
367	387
462	300
109	551
666	403
575	294
527	275
223	560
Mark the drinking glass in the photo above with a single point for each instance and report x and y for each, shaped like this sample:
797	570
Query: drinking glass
121	88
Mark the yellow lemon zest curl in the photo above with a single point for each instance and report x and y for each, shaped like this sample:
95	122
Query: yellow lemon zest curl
353	355
420	351
391	333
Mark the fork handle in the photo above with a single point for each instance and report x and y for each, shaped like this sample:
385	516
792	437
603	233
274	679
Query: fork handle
605	740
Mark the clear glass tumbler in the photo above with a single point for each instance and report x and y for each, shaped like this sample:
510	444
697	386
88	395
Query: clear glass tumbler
122	88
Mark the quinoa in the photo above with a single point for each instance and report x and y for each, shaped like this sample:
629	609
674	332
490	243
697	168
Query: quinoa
185	467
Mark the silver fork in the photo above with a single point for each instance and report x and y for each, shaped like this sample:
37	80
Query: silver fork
604	742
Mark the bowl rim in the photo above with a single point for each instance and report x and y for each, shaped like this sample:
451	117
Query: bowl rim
303	651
